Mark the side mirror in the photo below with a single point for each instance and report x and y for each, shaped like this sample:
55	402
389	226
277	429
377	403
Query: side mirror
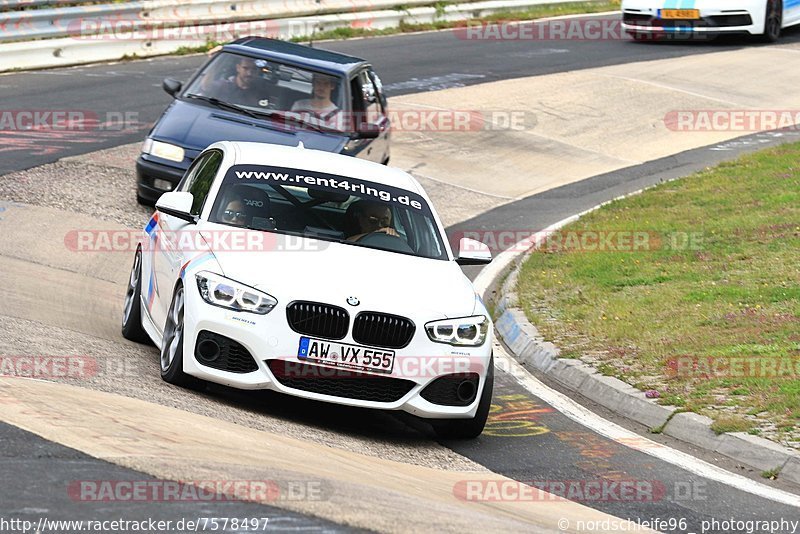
369	132
171	86
472	252
365	130
177	204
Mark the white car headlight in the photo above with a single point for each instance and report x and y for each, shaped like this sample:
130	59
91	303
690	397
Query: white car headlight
464	331
163	150
226	293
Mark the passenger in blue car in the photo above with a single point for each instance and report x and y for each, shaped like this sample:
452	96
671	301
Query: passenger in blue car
320	103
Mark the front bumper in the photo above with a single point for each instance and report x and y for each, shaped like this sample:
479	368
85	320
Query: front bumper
147	172
274	345
715	18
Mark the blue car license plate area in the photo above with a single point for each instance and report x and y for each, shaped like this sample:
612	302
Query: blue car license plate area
345	355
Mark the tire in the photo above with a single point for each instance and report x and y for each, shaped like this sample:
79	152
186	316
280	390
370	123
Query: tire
132	309
773	20
171	353
469	428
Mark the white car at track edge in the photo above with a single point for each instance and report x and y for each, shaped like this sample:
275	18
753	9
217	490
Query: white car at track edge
316	275
700	18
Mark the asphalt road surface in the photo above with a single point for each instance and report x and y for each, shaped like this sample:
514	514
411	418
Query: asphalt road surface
121	97
527	440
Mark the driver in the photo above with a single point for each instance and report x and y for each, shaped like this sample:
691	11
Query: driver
371	216
243	88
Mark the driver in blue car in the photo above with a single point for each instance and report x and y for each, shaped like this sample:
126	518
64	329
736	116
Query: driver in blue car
245	87
368	217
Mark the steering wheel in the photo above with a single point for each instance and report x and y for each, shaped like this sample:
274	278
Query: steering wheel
385	241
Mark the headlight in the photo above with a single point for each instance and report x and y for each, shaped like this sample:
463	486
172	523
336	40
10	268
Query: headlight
464	331
163	150
226	293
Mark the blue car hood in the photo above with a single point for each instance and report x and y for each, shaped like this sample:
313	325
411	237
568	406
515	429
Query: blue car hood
194	127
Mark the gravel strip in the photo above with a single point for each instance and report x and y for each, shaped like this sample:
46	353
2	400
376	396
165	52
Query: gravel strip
131	370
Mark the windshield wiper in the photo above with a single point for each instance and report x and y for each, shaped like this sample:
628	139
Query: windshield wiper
295	118
222	104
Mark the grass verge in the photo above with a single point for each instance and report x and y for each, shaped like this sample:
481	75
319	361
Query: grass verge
705	310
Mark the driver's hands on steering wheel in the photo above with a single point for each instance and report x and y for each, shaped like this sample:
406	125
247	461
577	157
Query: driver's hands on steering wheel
386	230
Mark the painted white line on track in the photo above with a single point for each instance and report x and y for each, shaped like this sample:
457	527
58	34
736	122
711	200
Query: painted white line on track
591	420
632	440
676	89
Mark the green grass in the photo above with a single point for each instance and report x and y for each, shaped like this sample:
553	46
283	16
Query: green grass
534	12
718	284
727	423
771	474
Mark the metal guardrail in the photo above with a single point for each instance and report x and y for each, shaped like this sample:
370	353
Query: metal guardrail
16	5
207	24
85	21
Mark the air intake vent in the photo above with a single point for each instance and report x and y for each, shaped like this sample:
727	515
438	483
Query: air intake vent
339	382
220	352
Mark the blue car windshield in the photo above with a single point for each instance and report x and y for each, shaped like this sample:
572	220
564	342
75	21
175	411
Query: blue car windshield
258	86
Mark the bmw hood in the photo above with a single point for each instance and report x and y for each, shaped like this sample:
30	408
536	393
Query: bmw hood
194	127
294	268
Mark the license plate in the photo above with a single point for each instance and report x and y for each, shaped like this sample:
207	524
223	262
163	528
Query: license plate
345	356
680	14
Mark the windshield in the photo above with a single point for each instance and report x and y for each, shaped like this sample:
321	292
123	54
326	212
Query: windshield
269	87
329	207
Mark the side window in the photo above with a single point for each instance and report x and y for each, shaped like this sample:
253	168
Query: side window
190	174
200	177
205	177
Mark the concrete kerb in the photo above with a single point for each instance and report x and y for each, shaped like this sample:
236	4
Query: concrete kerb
530	349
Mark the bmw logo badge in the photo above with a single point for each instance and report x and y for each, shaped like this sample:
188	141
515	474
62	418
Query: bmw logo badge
353	301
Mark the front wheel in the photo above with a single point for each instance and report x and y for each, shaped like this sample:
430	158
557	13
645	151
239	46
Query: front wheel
172	345
773	20
469	428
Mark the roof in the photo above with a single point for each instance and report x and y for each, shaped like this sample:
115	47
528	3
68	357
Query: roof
297	54
318	160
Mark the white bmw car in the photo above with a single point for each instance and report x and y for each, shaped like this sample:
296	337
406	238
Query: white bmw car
317	275
764	18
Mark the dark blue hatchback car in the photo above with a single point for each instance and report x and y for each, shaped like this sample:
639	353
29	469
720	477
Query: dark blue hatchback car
269	91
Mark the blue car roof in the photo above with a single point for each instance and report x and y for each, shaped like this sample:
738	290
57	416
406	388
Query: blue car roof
297	54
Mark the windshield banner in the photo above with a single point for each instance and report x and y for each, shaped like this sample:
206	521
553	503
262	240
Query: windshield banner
332	183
